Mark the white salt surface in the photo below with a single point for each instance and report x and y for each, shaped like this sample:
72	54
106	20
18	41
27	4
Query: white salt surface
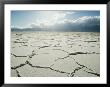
92	61
16	61
28	71
13	73
66	64
55	54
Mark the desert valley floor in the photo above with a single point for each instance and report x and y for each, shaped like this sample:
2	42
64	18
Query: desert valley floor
55	54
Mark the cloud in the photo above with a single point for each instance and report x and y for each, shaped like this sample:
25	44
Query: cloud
50	18
84	19
34	25
84	23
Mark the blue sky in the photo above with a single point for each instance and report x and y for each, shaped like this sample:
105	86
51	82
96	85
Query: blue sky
51	19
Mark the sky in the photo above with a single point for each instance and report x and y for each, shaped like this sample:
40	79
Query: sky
56	20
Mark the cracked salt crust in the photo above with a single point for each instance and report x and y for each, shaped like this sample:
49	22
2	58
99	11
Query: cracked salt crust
82	73
42	60
67	65
53	54
22	51
28	71
91	61
13	73
16	61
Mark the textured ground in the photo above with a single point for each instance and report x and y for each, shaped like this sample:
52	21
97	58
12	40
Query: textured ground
53	54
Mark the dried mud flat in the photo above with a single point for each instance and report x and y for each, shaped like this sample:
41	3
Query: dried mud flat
55	54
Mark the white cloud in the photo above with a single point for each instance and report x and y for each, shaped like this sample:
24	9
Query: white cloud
82	21
86	18
58	20
50	18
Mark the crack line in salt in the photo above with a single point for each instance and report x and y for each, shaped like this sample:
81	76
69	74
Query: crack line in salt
46	68
87	68
76	69
18	73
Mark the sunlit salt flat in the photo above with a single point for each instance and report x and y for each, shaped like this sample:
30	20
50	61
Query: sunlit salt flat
55	54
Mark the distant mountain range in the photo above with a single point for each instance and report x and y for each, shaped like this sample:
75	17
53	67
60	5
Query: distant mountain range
25	29
62	29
